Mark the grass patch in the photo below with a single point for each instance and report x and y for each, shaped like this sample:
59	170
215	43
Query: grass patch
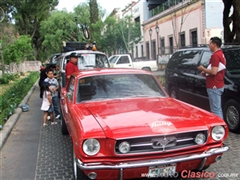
5	87
13	93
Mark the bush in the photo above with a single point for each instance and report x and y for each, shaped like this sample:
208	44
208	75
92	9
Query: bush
4	80
9	77
10	99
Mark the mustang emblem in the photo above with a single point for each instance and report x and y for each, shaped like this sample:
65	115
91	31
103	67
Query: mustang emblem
164	142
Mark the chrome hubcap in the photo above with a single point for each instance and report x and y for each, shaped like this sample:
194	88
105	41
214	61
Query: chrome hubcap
232	116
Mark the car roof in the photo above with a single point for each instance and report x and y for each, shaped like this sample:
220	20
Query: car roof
205	47
105	71
82	52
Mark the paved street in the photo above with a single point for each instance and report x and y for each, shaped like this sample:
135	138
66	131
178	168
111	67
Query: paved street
36	153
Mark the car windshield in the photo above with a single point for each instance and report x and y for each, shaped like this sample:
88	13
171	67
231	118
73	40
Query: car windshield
117	86
233	60
89	61
113	59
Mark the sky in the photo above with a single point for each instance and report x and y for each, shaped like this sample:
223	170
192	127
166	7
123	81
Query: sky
108	5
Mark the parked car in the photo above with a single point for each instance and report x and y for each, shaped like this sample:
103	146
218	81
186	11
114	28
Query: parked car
184	81
123	125
126	61
88	59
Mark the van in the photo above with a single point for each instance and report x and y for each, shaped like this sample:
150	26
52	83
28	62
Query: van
88	59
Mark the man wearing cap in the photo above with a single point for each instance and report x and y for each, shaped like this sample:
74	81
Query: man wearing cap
71	66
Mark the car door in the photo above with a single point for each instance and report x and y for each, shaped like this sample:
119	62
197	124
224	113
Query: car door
123	62
186	74
67	102
171	74
200	82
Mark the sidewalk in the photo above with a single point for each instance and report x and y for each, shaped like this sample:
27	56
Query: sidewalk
8	126
20	140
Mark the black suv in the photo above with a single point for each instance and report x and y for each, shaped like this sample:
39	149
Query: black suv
184	81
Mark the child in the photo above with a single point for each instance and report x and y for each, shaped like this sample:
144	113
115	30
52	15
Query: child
46	107
53	87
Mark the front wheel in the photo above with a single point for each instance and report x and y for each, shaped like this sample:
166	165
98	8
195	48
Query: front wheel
77	173
231	113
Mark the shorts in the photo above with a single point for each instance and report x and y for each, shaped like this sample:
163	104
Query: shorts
50	109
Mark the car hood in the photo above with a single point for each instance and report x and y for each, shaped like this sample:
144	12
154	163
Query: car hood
140	117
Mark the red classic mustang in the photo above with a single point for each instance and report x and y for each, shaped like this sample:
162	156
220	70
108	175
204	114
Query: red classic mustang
123	125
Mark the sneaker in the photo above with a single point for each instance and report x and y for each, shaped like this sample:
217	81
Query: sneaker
48	118
44	124
58	116
53	123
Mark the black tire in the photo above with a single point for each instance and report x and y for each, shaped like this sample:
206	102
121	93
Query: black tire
146	69
231	114
63	125
77	173
173	93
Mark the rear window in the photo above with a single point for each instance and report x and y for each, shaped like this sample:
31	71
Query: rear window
86	61
233	60
175	60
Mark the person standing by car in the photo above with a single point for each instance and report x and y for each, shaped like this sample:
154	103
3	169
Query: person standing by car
215	73
71	66
53	87
46	106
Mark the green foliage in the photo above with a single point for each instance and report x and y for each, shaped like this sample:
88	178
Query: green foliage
129	32
27	16
6	78
60	26
19	51
111	38
10	100
94	14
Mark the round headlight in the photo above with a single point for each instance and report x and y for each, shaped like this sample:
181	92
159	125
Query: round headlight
218	133
124	147
200	139
91	147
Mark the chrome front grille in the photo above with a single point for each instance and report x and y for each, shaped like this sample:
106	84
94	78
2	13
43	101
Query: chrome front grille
161	143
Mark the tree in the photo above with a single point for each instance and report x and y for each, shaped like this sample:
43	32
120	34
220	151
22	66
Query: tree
18	51
7	36
94	16
82	12
27	16
108	41
129	32
231	21
59	27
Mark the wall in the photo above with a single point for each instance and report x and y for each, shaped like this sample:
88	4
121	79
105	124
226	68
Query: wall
25	66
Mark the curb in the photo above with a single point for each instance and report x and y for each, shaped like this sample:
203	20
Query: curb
8	126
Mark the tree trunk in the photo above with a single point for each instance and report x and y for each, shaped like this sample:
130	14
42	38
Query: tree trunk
236	21
231	35
3	66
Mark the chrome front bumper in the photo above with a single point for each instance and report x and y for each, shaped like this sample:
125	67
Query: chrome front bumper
152	162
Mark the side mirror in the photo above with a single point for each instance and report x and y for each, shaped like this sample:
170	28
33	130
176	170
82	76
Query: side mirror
69	96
